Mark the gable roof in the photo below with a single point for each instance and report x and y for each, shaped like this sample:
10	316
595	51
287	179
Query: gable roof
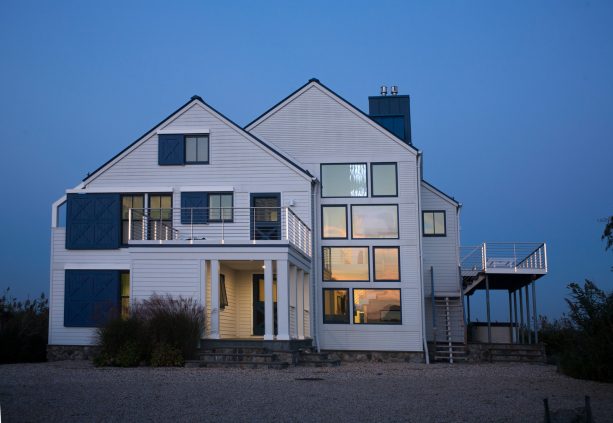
441	194
350	106
194	100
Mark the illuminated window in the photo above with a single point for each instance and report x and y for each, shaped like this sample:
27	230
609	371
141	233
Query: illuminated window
345	264
344	180
384	179
336	305
377	306
334	221
136	202
125	294
434	223
387	263
374	221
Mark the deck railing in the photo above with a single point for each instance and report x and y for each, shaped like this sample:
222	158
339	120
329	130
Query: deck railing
218	225
503	256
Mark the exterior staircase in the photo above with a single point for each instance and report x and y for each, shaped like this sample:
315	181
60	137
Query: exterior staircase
450	336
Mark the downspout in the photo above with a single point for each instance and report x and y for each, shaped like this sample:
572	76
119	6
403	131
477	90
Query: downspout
421	260
314	264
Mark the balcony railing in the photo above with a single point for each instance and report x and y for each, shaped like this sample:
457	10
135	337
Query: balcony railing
222	225
504	257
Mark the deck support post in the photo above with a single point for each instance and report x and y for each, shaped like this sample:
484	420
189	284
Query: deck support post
214	300
510	317
468	308
283	299
487	300
300	304
268	302
521	317
536	333
515	322
528	325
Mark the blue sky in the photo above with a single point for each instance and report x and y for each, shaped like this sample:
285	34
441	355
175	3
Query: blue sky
512	104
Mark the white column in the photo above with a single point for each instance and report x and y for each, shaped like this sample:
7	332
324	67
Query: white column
283	300
214	299
268	309
306	300
300	304
293	295
203	295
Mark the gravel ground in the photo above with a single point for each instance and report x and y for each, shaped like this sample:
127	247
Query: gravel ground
75	391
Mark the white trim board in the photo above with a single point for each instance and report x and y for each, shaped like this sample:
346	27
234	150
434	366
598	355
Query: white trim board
99	266
183	131
119	189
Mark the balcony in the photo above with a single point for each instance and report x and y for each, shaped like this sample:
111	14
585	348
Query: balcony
504	258
216	225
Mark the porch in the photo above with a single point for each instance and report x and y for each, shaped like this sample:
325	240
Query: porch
511	267
252	302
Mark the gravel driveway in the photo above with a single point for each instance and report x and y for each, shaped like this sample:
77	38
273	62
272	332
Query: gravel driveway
74	391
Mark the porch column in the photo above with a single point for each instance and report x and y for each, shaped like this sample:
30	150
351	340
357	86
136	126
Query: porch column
268	301
515	322
293	298
214	299
282	300
521	317
300	304
306	301
203	295
510	317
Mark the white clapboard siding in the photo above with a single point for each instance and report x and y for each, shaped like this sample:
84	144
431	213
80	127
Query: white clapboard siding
317	127
236	160
441	253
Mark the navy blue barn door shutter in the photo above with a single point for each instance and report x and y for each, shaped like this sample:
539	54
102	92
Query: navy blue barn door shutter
91	297
93	221
194	208
171	149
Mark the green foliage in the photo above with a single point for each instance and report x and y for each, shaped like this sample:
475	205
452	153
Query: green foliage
160	330
607	234
165	355
23	329
582	343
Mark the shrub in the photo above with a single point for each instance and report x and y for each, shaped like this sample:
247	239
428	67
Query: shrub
164	355
175	322
582	343
162	331
23	329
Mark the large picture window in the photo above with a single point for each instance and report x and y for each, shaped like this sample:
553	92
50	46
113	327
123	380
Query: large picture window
336	305
334	222
377	306
344	180
384	179
434	223
345	264
386	263
374	221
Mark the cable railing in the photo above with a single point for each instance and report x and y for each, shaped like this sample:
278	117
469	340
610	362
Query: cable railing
222	225
503	257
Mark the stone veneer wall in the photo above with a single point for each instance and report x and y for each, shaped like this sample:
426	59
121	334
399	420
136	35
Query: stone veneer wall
378	356
71	352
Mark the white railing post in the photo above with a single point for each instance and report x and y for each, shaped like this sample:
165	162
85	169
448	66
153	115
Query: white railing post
545	253
514	258
223	229
484	257
191	223
287	223
130	224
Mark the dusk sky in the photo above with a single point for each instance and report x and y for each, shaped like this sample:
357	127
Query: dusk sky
512	104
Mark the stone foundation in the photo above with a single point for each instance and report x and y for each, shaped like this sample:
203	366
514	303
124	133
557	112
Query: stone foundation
378	356
71	352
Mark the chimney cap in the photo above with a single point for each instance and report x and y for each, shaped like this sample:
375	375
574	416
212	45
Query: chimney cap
394	89
383	90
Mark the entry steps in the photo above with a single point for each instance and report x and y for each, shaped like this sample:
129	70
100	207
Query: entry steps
524	353
253	358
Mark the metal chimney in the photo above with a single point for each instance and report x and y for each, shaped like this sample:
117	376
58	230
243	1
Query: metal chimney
394	90
383	90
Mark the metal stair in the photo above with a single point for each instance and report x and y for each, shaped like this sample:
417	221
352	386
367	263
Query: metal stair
449	342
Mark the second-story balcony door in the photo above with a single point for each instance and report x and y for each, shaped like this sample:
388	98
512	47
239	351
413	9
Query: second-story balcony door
266	216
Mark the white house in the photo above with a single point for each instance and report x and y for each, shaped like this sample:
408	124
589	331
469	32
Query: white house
311	226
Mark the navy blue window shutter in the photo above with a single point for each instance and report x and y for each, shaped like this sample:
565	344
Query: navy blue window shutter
194	208
171	149
91	297
93	221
